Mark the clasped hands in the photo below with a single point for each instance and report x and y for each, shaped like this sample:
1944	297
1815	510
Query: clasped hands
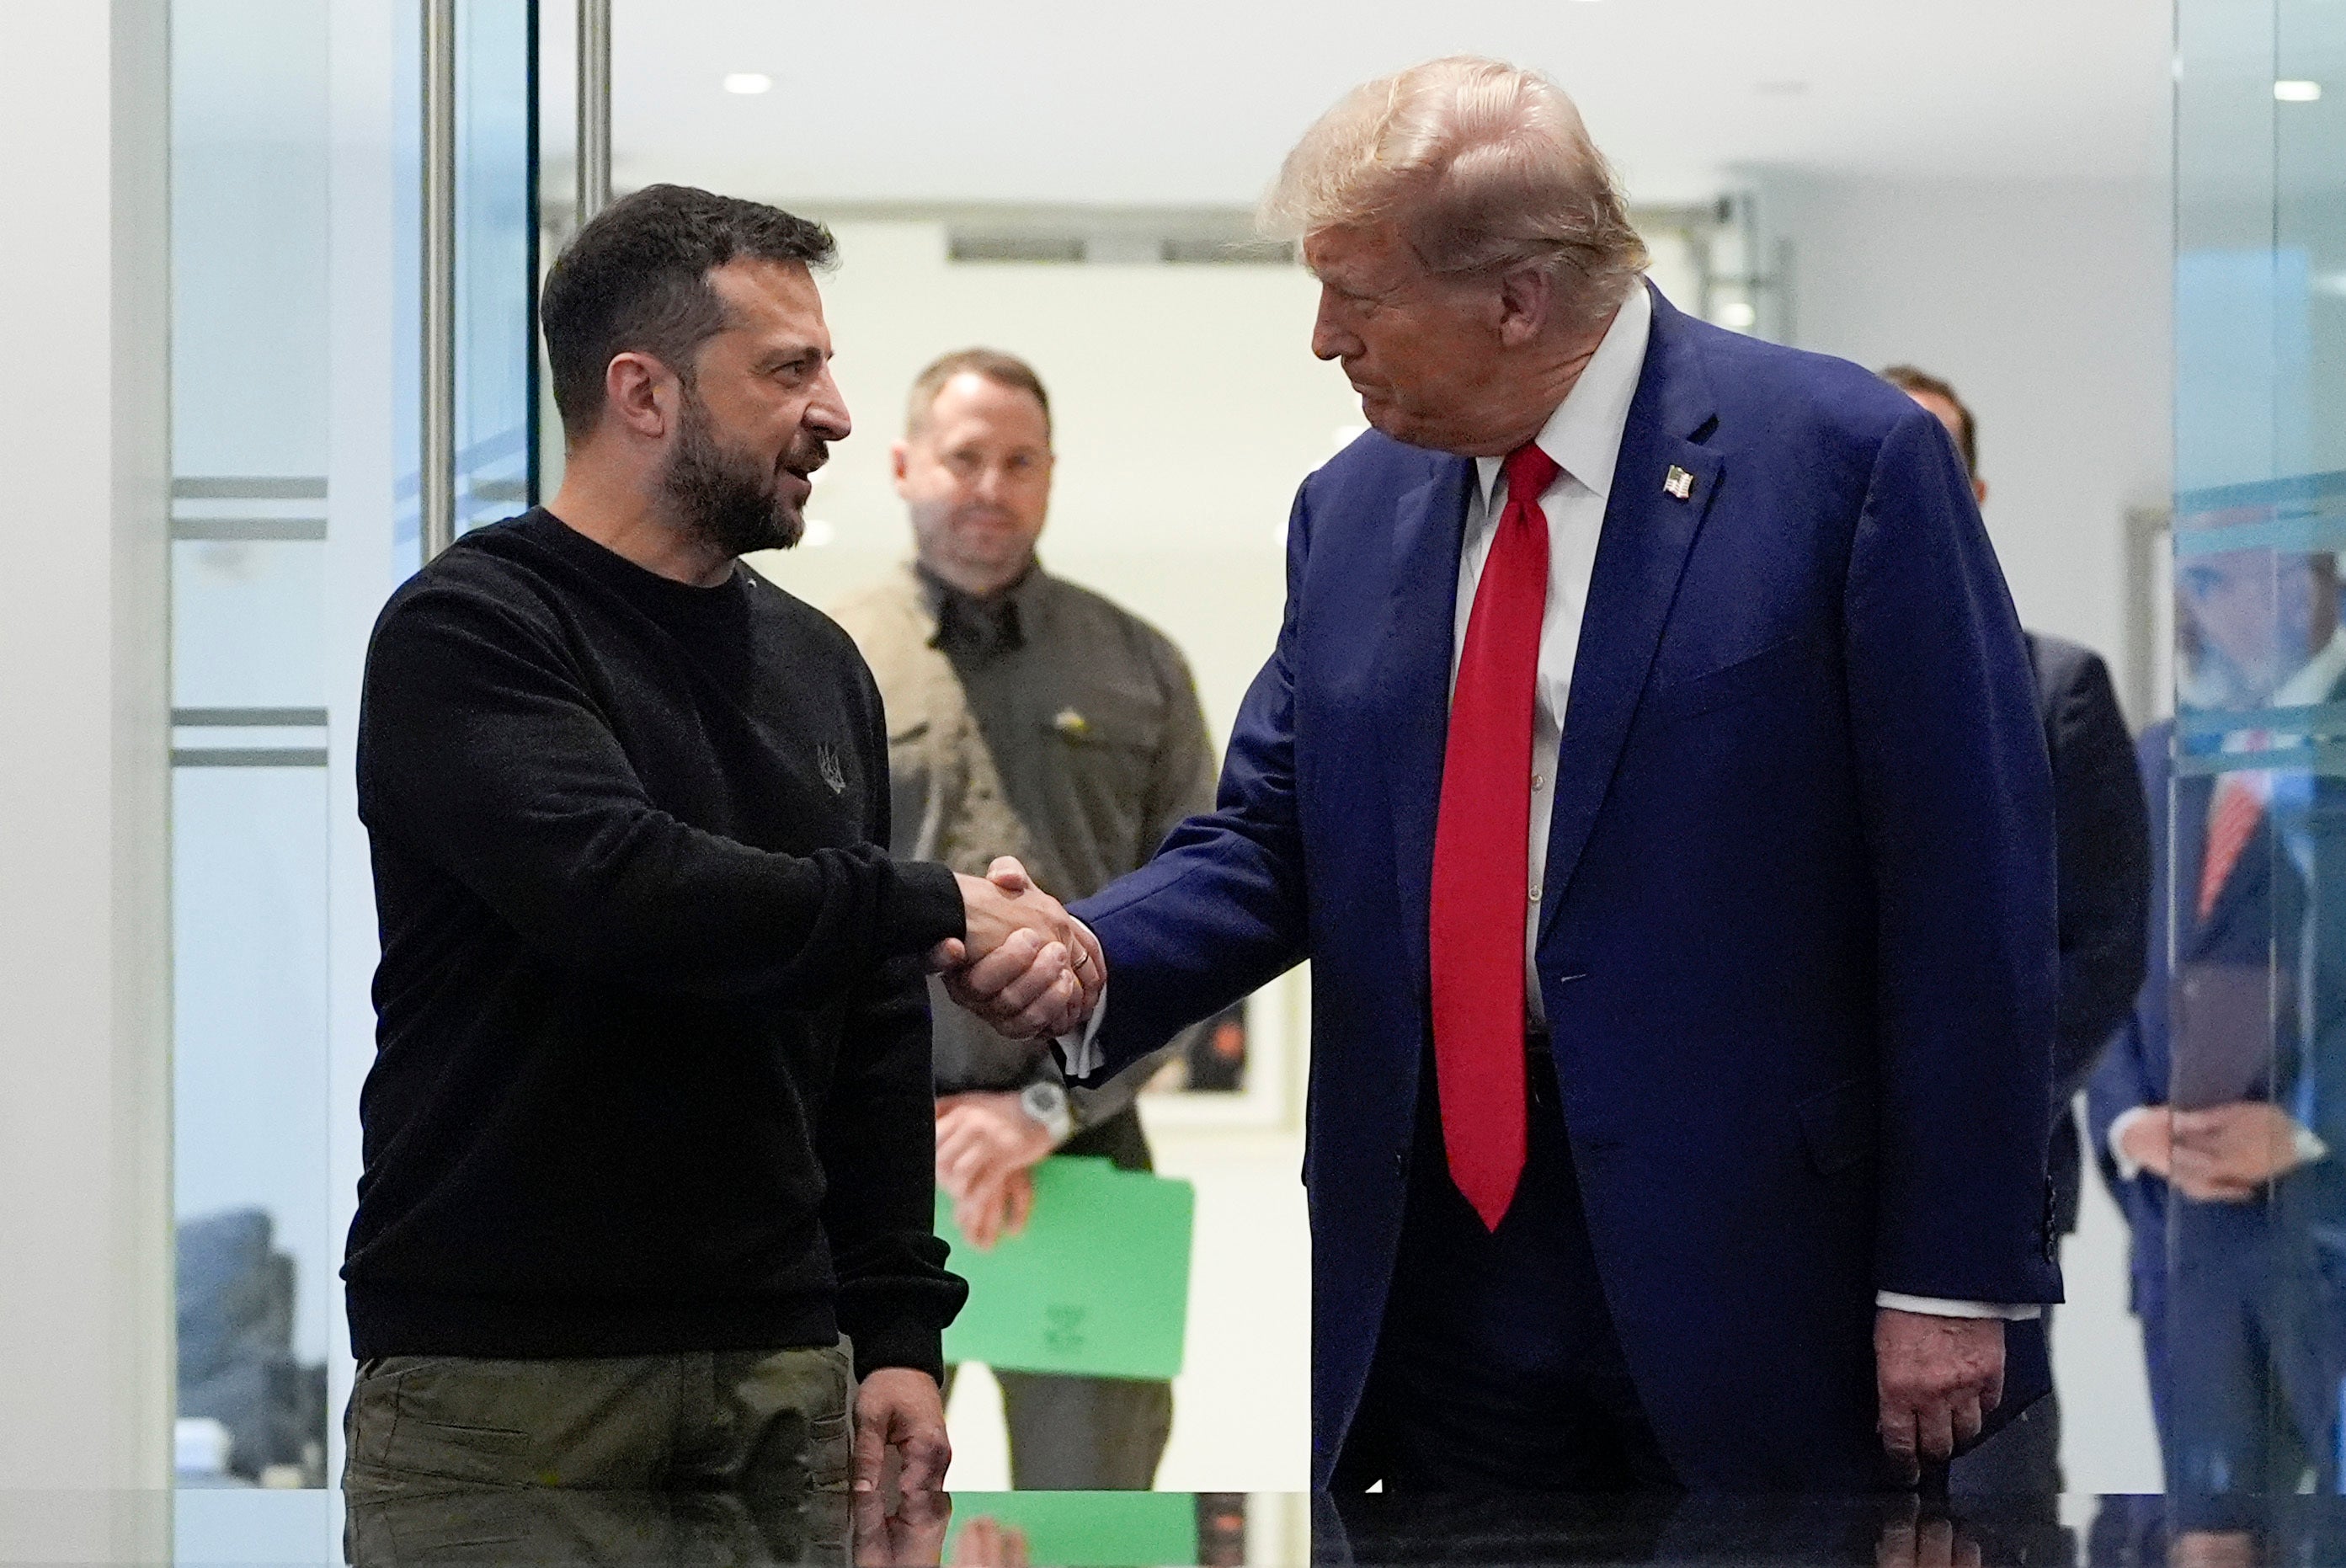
2225	1154
1026	966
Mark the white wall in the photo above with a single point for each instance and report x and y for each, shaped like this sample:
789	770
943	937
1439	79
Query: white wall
84	1202
2048	306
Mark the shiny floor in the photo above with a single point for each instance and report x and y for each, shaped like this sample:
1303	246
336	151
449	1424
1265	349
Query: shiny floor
1028	1530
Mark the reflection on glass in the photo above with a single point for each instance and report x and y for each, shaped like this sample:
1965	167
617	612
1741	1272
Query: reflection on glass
254	184
256	1259
1276	1529
2222	1110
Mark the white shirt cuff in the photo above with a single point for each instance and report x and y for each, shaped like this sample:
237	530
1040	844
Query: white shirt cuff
2127	1168
1079	1048
2310	1147
1932	1306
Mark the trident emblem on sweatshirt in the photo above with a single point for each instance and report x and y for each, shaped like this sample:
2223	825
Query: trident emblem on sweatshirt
826	761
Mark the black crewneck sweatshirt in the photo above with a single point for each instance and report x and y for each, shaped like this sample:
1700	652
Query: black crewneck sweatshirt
652	1065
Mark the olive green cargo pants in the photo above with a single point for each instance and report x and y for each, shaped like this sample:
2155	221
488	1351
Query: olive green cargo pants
748	1420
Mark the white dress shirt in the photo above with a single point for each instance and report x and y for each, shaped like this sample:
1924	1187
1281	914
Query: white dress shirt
1584	436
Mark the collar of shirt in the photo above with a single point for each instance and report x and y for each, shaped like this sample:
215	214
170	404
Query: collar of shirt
969	624
1583	434
2320	677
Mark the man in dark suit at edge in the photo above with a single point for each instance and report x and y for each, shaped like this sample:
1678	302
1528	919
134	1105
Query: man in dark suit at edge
2102	832
1648	766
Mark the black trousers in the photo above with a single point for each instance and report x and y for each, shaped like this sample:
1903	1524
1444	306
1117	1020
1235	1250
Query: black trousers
1498	1368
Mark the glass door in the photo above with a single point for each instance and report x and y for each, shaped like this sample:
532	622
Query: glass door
296	226
2245	1285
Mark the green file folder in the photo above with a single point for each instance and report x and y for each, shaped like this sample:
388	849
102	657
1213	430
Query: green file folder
1097	1285
1092	1529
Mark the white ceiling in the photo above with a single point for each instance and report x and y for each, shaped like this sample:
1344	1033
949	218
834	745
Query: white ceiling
1194	103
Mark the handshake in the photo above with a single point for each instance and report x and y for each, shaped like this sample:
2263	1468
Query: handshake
1026	966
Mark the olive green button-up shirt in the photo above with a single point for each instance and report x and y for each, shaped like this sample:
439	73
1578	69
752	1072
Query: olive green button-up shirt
1043	722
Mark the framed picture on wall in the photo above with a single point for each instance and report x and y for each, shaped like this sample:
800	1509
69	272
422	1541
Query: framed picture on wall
1237	1069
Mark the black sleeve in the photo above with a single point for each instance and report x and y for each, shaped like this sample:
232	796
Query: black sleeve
2104	832
879	1157
480	751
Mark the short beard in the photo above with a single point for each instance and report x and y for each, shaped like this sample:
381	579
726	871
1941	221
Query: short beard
722	497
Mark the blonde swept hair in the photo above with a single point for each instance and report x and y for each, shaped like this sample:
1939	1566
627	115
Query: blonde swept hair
1481	166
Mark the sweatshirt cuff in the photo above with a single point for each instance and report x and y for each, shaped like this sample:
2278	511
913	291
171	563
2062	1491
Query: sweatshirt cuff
920	907
898	1342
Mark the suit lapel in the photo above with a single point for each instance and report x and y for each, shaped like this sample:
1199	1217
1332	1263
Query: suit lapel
1640	554
1430	526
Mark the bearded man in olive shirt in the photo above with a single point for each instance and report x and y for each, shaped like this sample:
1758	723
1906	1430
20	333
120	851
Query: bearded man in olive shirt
646	1133
1030	718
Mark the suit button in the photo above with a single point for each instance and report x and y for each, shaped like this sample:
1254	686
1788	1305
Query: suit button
1401	1164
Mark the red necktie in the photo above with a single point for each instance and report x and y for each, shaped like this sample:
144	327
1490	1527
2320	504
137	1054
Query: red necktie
2231	823
1482	848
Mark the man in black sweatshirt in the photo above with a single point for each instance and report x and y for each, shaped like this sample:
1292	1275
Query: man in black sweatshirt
647	1136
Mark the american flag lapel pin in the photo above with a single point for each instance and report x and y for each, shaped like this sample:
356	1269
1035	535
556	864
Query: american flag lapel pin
1679	484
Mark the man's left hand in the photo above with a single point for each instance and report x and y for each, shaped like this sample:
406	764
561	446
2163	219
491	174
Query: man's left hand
1937	1379
899	1412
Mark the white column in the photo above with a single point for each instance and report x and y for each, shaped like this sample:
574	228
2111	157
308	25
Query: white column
86	1274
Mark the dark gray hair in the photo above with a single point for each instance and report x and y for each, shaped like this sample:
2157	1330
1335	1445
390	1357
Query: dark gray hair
636	280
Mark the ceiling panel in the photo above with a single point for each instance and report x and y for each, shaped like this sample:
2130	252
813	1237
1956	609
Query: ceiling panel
1021	100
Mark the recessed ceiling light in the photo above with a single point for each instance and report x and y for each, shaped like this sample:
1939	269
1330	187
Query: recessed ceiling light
1781	89
748	82
2297	92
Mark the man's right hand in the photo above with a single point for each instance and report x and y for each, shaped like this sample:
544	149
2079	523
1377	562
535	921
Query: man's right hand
2149	1140
1026	966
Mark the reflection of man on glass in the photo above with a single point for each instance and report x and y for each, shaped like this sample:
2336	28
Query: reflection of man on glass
1026	717
2103	857
2216	1111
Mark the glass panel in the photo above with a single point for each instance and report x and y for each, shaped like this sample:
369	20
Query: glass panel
496	262
294	260
2246	1310
250	226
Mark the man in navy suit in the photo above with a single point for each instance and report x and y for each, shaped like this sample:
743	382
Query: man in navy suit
1648	765
2217	1110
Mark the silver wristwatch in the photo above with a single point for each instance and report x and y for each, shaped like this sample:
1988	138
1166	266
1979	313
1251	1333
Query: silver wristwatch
1046	1101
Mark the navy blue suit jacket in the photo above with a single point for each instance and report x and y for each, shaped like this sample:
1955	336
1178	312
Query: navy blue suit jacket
1796	930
